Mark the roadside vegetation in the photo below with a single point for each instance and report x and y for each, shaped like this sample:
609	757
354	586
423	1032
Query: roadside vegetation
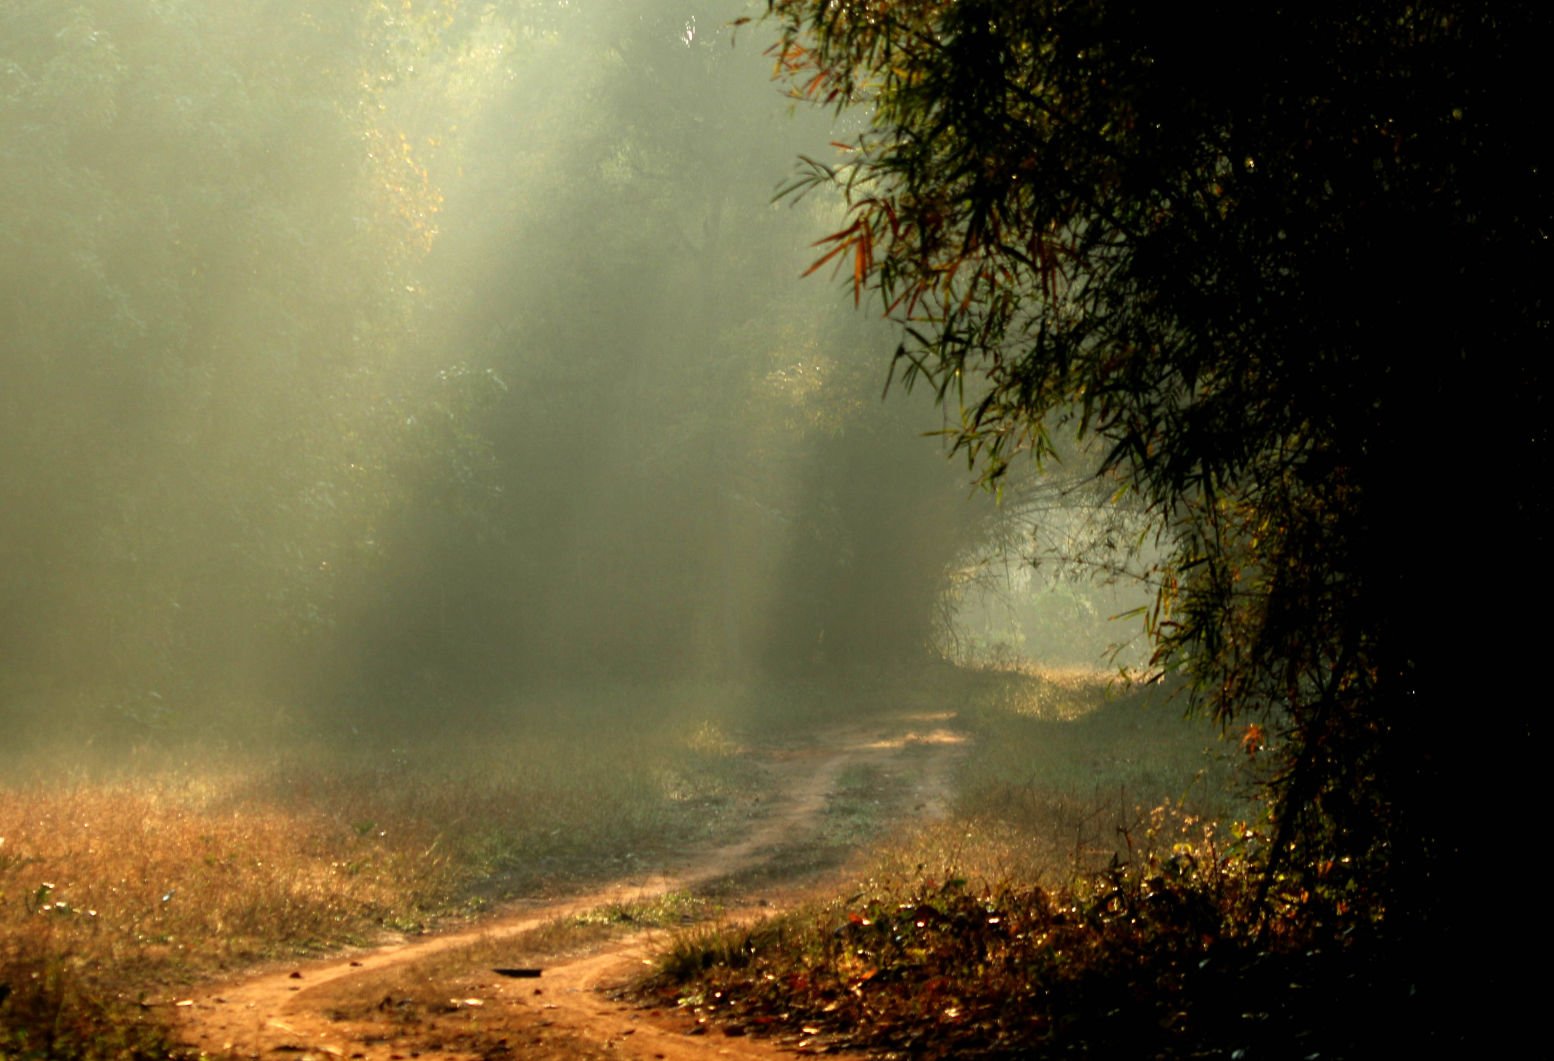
1094	893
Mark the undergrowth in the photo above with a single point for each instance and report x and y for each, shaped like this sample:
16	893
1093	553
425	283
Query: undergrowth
1160	959
1092	894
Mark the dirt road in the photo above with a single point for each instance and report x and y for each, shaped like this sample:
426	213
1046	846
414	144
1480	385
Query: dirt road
438	998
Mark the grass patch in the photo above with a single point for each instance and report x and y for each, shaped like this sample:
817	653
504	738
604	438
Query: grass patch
1081	772
127	884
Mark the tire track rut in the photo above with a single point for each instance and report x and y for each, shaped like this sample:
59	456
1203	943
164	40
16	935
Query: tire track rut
319	1010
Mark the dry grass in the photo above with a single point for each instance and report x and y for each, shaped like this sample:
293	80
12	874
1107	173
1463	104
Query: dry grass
159	882
128	884
110	892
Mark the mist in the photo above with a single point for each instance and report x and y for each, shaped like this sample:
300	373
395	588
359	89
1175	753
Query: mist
369	368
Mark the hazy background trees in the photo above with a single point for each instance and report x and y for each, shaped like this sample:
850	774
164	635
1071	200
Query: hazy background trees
367	359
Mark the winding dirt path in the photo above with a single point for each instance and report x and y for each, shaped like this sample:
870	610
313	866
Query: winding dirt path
438	998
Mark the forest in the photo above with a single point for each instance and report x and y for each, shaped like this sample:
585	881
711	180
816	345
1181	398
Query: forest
368	358
947	528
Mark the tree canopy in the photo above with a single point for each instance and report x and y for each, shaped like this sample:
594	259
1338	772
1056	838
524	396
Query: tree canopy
1287	265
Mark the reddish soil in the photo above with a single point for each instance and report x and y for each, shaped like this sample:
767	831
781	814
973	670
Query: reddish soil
437	997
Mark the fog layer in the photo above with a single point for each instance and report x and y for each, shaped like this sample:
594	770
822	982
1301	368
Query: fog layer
383	361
